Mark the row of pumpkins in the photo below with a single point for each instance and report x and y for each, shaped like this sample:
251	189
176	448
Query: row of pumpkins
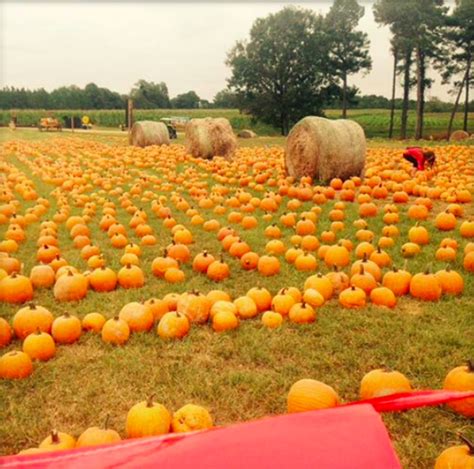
149	418
176	312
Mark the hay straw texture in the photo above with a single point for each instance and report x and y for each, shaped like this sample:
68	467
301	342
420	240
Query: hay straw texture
209	137
245	133
459	135
145	133
325	149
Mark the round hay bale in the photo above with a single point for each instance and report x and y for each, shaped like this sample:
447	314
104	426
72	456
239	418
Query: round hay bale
145	133
325	149
458	135
209	137
245	133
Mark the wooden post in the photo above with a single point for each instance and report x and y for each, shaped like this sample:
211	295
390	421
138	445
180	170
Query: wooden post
130	114
72	124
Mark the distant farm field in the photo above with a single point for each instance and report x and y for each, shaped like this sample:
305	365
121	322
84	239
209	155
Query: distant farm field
374	121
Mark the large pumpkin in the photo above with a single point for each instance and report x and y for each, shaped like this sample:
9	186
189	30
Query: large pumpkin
147	418
461	378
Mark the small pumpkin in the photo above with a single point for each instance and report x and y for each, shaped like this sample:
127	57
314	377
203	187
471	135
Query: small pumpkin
115	331
271	319
457	457
147	418
31	318
302	313
15	365
310	394
383	382
173	325
425	286
352	297
16	288
93	322
451	281
95	436
191	418
66	329
224	320
39	346
461	378
58	441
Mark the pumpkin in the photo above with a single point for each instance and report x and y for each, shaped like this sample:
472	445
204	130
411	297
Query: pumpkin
451	281
302	313
195	306
419	235
398	281
131	276
382	382
339	280
157	307
147	418
58	441
115	331
383	296
262	298
224	320
160	265
5	333
457	457
309	394
271	319
39	346
218	270
42	276
337	256
410	250
445	221
191	418
352	297
173	325
95	436
320	283
30	319
283	302
425	286
246	307
93	322
461	378
15	365
268	266
249	261
202	262
70	287
103	279
66	329
137	316
16	288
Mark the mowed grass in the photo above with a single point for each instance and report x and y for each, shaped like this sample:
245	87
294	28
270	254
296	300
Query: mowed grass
246	373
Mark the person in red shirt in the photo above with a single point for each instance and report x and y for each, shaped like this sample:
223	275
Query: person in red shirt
419	159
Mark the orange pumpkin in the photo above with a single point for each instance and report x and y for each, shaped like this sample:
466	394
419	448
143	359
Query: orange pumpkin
15	365
461	378
382	382
66	329
309	394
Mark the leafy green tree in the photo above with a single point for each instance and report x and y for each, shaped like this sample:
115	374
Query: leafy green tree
149	95
417	26
189	100
457	61
348	48
280	73
225	99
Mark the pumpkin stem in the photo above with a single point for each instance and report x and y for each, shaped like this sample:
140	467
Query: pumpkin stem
469	444
428	269
149	402
470	366
106	423
54	437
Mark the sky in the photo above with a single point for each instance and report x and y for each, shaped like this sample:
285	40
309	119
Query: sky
184	44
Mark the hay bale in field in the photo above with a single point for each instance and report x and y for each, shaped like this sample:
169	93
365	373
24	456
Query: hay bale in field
145	133
245	133
325	149
209	137
458	135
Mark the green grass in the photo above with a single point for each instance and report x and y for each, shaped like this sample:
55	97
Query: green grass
246	373
374	121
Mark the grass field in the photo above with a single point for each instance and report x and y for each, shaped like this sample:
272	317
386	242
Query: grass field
374	121
245	373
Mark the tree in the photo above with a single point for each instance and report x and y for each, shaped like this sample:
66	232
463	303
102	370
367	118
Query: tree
348	49
281	72
458	59
225	99
417	27
394	88
189	100
149	95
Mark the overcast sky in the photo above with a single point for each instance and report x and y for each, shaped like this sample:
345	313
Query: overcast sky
50	44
